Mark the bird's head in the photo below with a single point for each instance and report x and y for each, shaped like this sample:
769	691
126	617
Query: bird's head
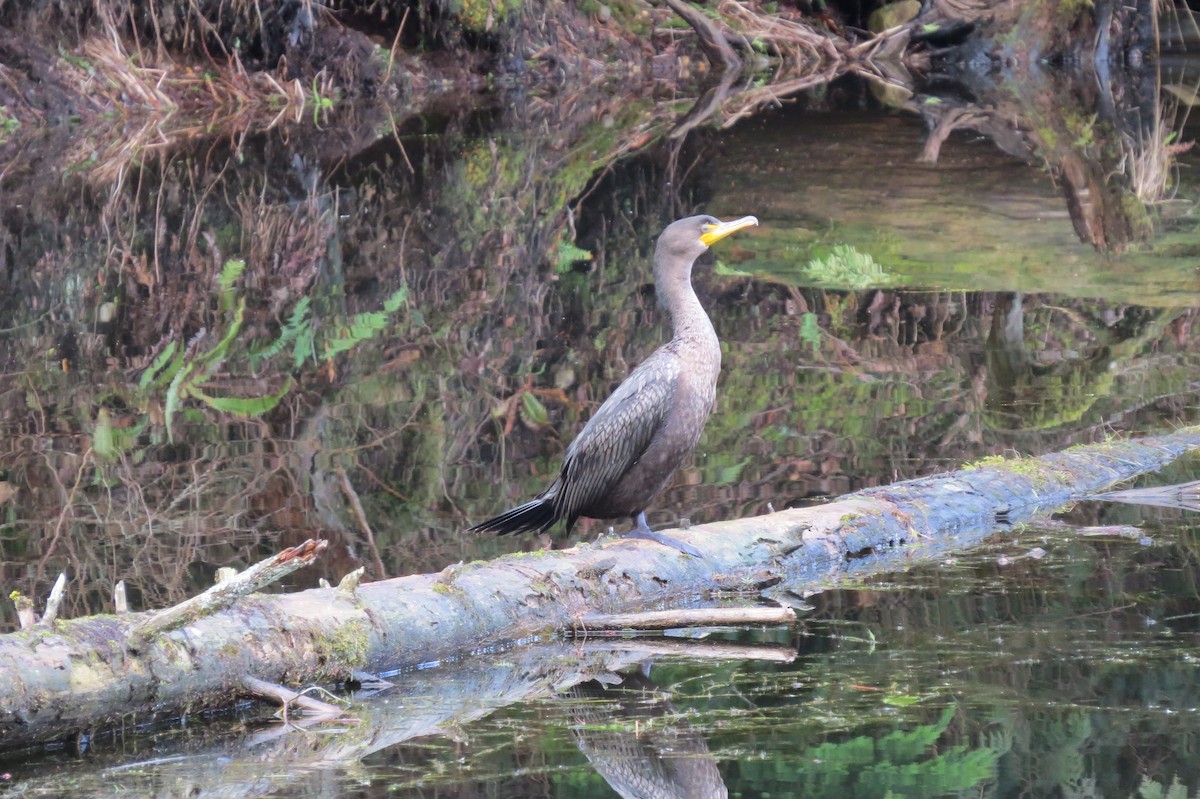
682	242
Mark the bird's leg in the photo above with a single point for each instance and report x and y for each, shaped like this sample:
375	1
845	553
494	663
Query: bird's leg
642	530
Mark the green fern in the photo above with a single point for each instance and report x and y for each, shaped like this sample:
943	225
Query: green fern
244	406
810	331
365	325
229	275
290	332
848	268
568	255
159	372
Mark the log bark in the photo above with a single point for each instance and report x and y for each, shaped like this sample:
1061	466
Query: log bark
80	675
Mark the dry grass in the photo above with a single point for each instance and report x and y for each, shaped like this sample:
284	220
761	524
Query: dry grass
1151	160
797	44
158	103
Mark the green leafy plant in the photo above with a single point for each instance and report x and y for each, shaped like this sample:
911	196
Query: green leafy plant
810	331
185	371
8	124
1152	789
320	102
300	333
846	267
568	256
110	442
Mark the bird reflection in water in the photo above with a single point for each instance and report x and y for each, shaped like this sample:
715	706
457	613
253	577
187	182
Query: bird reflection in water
641	744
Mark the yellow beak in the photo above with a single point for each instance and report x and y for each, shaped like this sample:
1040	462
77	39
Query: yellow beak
714	233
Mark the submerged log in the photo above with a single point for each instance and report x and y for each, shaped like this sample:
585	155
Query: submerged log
83	674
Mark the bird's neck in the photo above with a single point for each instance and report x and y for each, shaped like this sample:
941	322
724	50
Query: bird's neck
690	325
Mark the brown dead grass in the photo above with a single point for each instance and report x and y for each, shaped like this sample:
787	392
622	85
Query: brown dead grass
158	102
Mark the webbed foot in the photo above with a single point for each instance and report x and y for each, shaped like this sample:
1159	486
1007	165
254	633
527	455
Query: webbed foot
642	530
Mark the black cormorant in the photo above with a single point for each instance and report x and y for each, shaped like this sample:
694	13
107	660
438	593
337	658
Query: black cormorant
643	433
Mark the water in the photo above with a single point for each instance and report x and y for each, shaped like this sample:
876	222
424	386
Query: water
409	332
996	672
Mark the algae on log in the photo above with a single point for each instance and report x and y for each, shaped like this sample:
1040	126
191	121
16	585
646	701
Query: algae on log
83	675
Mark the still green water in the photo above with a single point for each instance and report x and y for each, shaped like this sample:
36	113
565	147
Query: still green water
405	327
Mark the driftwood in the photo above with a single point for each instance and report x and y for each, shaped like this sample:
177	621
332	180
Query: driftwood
83	674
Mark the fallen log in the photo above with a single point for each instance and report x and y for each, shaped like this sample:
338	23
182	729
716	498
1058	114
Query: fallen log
83	674
433	702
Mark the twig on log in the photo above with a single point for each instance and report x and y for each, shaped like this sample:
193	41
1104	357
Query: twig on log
697	617
120	602
349	584
286	697
224	594
55	600
716	650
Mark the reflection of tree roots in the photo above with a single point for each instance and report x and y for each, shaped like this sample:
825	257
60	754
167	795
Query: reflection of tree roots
147	520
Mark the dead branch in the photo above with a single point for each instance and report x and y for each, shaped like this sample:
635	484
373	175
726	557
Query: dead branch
225	593
671	619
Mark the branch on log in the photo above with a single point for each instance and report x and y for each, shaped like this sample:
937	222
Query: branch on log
226	592
55	600
650	648
673	619
81	674
286	697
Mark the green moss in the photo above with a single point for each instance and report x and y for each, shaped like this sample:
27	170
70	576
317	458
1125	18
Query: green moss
346	647
1072	9
482	15
988	461
536	553
1031	468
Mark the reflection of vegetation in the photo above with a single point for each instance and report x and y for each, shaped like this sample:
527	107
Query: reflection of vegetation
309	342
1049	367
184	370
1153	789
846	267
8	124
898	764
568	256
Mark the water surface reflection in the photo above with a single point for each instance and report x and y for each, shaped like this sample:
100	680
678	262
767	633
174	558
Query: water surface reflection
381	339
1001	672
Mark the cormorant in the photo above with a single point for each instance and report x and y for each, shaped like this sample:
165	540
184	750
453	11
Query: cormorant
643	433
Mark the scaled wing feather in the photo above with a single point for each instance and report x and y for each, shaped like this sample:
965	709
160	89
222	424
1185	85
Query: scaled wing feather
618	434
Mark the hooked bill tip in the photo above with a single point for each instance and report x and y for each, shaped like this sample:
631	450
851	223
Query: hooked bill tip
714	233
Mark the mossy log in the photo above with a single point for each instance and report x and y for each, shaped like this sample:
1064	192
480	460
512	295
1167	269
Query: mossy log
85	674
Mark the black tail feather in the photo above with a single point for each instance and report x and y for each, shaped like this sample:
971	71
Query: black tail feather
537	514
